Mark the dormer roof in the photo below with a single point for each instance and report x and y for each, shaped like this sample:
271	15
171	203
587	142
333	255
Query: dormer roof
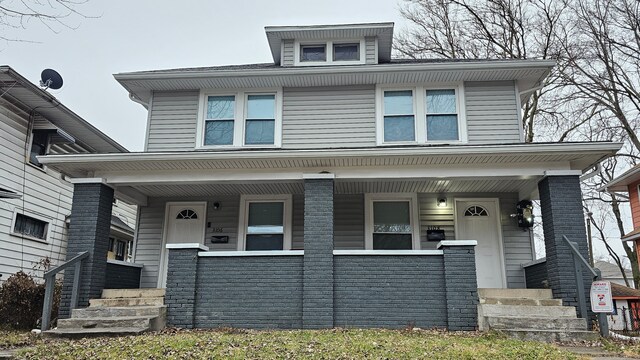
382	31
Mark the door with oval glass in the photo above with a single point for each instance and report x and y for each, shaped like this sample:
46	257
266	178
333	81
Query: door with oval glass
185	223
480	220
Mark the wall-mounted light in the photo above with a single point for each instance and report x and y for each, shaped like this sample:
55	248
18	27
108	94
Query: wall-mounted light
441	202
216	205
524	213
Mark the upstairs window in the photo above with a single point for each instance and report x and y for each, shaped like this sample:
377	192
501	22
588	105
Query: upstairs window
240	119
329	52
421	115
39	145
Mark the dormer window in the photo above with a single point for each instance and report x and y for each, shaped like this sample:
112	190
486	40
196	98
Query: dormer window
329	52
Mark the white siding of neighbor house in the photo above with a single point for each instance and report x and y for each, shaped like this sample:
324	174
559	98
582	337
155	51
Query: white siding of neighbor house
492	112
172	122
371	54
288	53
348	228
329	117
325	117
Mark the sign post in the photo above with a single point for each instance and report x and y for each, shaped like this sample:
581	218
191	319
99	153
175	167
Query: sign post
602	303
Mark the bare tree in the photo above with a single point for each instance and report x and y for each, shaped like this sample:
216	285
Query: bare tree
54	14
593	94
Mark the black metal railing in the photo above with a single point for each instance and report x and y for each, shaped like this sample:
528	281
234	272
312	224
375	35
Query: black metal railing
50	280
579	263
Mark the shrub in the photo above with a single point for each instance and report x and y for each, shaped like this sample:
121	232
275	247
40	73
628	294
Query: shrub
21	300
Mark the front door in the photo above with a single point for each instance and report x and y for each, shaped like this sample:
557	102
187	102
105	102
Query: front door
185	224
479	220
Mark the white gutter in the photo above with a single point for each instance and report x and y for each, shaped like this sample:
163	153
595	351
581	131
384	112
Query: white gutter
611	147
327	70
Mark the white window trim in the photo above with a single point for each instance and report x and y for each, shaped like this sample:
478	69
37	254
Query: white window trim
287	220
414	215
420	113
47	230
329	52
239	120
42	168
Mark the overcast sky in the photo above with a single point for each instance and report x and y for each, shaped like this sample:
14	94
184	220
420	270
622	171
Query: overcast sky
146	35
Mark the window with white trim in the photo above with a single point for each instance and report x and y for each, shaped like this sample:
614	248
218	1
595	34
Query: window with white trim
30	227
391	222
420	114
329	52
265	223
251	119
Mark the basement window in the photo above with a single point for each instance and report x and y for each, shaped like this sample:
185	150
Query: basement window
30	227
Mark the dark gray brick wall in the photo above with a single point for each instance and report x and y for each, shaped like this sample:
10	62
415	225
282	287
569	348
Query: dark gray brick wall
461	287
536	276
249	292
180	296
89	228
318	254
562	214
389	291
122	277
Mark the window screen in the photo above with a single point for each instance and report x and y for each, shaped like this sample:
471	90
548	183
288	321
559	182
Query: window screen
219	120
392	225
398	116
265	226
313	53
260	123
442	115
346	52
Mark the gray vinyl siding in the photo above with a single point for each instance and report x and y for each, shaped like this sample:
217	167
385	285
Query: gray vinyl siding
492	112
173	121
370	51
322	117
287	53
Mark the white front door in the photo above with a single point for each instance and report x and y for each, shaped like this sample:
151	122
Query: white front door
185	223
479	220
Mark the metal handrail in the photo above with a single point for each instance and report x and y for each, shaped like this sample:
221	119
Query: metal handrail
578	260
49	281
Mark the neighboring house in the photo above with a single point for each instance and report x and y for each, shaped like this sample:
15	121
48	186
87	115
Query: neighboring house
611	272
336	186
35	200
629	183
626	304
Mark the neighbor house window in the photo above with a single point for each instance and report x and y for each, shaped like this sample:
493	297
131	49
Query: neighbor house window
420	114
219	120
399	118
391	222
265	223
30	227
442	115
239	119
39	144
261	119
317	52
346	52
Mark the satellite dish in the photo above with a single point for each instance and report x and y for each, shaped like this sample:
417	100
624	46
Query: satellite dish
50	79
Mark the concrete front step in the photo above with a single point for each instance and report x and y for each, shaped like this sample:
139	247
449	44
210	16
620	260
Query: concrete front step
514	322
487	310
98	312
552	335
521	301
124	302
79	333
515	293
132	293
106	322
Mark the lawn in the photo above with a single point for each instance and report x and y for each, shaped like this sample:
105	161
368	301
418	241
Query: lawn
325	344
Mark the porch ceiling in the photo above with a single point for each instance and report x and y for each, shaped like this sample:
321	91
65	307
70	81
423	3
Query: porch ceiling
493	185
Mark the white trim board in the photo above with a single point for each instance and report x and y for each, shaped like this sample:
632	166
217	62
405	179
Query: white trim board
251	253
387	252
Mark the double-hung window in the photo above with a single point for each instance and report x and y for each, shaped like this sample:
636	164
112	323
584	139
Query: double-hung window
420	114
391	222
240	119
265	223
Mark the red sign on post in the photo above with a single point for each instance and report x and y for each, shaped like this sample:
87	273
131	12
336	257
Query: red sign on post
601	300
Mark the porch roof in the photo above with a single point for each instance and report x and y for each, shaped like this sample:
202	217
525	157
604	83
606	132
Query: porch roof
622	182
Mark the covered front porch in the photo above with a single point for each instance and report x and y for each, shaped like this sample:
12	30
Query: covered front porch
321	241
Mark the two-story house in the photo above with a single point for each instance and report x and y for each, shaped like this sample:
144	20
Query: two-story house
338	186
35	199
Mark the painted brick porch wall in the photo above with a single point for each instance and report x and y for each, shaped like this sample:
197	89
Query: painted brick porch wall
536	276
389	291
122	277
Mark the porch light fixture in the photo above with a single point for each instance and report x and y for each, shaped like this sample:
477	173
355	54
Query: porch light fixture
524	213
442	202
